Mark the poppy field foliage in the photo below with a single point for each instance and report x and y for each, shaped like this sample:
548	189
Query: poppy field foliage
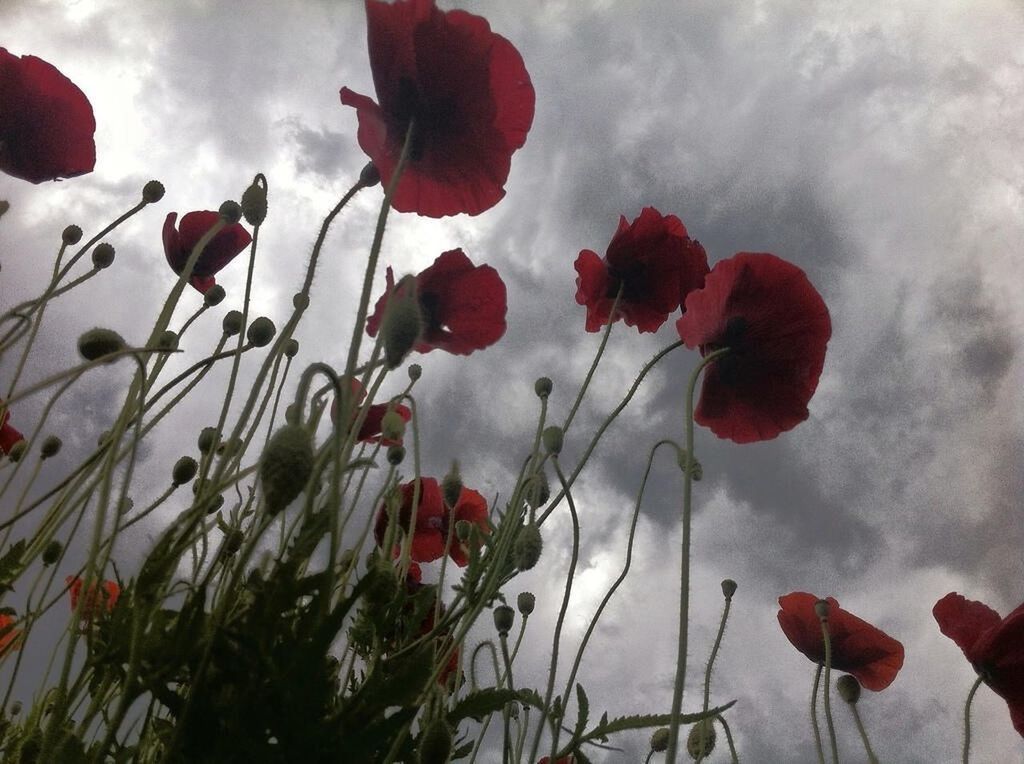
305	593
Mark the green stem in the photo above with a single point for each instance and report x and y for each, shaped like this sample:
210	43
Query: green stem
814	715
593	366
707	673
826	689
967	719
872	759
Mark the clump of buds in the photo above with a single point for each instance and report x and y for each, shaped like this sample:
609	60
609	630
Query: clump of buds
97	343
285	466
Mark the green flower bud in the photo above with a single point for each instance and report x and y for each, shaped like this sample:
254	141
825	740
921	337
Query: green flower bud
701	740
659	739
291	348
451	485
97	343
435	745
537	490
233	542
392	426
552	438
403	322
214	295
415	371
285	466
152	192
542	387
167	341
728	588
15	708
504	617
71	235
232	323
254	204
370	175
184	470
300	301
17	451
395	455
207	439
527	547
261	332
102	256
214	504
463	530
52	552
849	688
51	446
230	212
526	603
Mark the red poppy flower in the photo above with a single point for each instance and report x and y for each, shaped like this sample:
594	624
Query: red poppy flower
46	122
97	598
370	432
433	521
221	250
993	645
9	437
463	305
858	648
10	638
776	327
465	89
655	263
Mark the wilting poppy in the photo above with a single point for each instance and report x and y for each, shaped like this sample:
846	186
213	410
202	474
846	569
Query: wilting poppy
463	305
98	597
465	89
858	648
46	122
993	645
221	250
433	521
652	260
10	638
776	327
9	436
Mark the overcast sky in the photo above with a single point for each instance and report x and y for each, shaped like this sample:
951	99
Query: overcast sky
877	146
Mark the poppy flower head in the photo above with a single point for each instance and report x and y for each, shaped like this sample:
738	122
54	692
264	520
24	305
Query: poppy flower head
221	249
463	305
776	327
46	122
433	521
98	597
993	645
858	648
654	263
467	94
10	638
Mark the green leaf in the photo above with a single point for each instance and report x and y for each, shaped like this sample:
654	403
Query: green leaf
645	721
10	565
584	711
480	704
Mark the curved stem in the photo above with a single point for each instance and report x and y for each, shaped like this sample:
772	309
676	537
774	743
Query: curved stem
827	689
707	674
872	759
967	719
593	366
814	715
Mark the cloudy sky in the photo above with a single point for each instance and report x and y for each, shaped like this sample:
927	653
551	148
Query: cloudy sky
878	146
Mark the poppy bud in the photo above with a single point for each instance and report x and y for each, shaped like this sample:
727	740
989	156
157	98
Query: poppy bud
207	439
254	204
403	322
435	743
504	617
215	504
451	486
71	235
230	212
167	341
102	256
51	445
184	470
659	739
463	530
52	552
392	426
527	547
232	323
153	191
17	451
214	295
261	332
370	175
97	343
4	206
415	371
233	542
701	740
15	708
395	455
300	301
526	602
291	348
285	466
537	490
542	387
728	588
552	437
849	688
821	609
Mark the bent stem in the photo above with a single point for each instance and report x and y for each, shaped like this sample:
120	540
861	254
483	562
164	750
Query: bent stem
684	575
814	715
872	759
707	673
828	704
967	719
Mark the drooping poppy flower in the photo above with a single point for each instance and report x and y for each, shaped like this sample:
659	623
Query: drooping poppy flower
652	260
10	638
98	597
993	645
463	305
221	250
776	327
467	93
9	436
46	122
433	521
370	431
858	648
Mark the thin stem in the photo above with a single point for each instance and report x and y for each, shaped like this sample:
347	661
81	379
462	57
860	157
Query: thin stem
707	673
814	715
593	366
826	689
872	759
967	719
728	738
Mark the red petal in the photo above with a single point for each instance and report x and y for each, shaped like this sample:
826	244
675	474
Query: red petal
591	288
965	622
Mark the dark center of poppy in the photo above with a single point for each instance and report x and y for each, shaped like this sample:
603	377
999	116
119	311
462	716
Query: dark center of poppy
629	279
430	117
730	366
429	304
